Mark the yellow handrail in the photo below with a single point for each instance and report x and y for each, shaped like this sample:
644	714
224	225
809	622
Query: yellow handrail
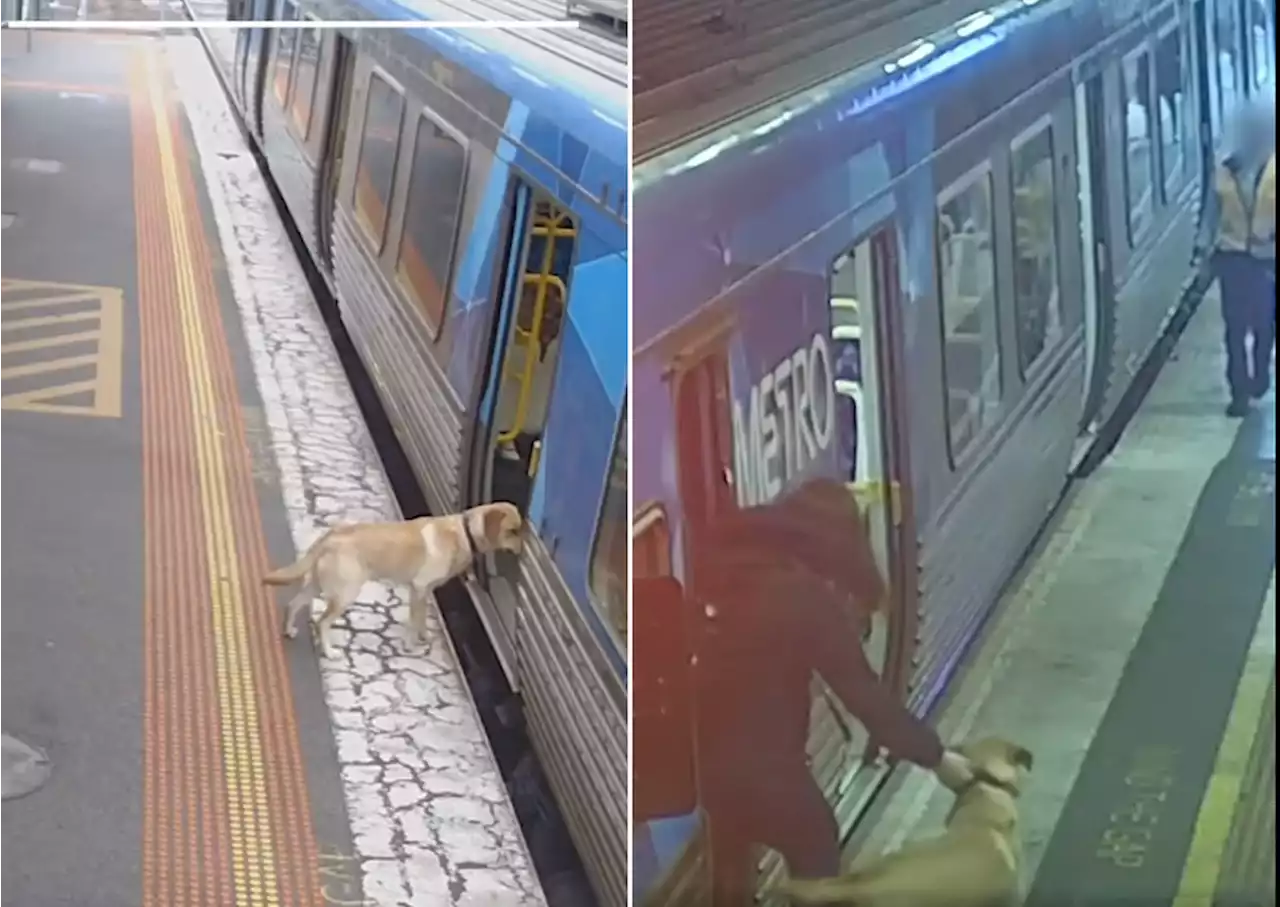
876	492
552	229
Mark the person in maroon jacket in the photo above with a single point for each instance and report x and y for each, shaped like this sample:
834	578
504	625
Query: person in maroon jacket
775	594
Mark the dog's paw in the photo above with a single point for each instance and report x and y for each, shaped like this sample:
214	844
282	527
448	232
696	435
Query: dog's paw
290	631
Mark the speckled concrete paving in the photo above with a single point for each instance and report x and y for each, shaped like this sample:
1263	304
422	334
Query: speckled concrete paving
430	816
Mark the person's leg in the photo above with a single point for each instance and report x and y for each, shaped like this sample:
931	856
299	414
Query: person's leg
801	825
1235	288
732	855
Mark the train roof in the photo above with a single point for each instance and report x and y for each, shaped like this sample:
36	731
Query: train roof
543	68
869	82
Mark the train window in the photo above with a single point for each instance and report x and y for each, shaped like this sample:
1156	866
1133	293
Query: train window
376	166
436	180
1227	32
304	79
1261	43
1215	82
286	40
1037	298
609	553
967	293
1135	97
1171	108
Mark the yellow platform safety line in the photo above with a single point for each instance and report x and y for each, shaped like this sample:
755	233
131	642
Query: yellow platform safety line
1222	795
252	846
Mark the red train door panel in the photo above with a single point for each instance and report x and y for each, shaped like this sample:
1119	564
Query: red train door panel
663	696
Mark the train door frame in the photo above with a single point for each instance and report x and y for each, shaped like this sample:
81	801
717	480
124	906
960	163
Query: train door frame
886	486
1208	91
240	64
339	79
500	573
1098	243
251	66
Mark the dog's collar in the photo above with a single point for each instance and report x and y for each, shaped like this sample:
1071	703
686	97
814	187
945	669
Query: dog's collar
471	539
987	780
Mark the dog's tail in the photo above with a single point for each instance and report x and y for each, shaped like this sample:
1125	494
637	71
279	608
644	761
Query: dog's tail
287	576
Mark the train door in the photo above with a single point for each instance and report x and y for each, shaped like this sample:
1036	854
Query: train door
243	37
1208	87
530	317
342	78
251	63
695	360
1096	244
241	57
864	298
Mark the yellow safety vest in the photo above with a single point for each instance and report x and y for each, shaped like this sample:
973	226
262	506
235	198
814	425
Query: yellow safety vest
1247	224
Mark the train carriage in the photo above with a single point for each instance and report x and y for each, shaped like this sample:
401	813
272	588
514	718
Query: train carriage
464	195
929	279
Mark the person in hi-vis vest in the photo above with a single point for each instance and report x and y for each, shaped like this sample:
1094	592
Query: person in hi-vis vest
1241	215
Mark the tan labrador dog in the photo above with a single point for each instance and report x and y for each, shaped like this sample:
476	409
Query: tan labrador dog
976	862
422	554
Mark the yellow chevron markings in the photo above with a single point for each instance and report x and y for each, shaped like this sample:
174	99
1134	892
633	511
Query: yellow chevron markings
61	348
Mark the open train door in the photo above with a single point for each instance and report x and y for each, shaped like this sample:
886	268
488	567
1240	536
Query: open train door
339	86
867	344
697	373
1096	241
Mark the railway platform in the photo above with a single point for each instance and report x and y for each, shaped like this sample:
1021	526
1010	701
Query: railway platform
175	421
1135	657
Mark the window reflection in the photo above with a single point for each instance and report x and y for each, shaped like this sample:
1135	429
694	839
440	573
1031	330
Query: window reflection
1171	96
967	287
1136	99
304	80
1263	45
286	39
436	180
1037	301
1227	32
375	170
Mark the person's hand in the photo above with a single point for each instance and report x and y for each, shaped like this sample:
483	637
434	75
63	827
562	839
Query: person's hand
955	771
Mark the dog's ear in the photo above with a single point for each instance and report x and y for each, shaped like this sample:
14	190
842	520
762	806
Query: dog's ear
1004	769
1022	757
491	518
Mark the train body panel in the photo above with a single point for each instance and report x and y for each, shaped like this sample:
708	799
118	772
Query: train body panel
464	196
982	237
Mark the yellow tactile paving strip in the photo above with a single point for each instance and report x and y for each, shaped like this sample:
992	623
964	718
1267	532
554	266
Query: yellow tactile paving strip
226	816
1248	870
1231	859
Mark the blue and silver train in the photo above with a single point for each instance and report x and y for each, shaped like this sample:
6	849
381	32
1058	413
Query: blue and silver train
464	193
927	274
